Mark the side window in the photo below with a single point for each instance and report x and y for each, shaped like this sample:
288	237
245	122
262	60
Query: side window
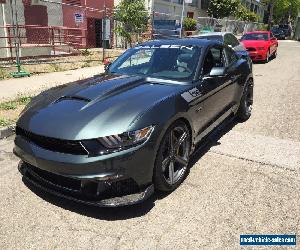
231	56
235	41
214	58
227	40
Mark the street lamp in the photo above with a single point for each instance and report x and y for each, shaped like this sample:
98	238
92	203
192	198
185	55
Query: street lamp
182	13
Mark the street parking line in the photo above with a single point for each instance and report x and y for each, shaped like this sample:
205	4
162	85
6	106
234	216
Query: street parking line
263	149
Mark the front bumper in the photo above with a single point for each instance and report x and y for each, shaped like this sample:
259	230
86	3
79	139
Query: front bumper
83	193
258	55
92	177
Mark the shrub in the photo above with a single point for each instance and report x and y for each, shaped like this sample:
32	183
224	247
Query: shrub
189	24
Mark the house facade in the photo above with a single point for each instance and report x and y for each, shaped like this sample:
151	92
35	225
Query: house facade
47	25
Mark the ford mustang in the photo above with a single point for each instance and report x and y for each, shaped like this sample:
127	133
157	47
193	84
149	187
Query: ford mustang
113	139
261	45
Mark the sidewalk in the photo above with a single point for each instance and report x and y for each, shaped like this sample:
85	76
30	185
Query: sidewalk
10	89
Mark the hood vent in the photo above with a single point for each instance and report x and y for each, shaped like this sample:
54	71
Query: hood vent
74	97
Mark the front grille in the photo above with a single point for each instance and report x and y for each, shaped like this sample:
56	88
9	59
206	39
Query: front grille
89	190
251	49
52	144
59	180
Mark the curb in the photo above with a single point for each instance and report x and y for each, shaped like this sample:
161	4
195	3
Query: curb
7	131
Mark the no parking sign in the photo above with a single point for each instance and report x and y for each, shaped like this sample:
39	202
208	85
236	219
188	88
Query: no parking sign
78	18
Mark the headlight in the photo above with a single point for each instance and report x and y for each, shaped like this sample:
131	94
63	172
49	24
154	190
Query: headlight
261	48
126	139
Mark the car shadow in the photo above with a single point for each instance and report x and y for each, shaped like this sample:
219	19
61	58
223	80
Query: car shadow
137	210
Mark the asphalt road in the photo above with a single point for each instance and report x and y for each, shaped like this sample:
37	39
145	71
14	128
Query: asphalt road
245	181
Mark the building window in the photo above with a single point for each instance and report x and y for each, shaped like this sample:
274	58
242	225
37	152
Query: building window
204	4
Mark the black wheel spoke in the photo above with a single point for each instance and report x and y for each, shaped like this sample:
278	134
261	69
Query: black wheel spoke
171	173
181	160
181	140
171	141
165	163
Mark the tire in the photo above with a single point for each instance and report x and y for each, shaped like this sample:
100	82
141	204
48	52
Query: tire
171	164
245	108
275	54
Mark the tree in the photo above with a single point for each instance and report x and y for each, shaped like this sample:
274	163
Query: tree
244	14
282	11
222	8
132	19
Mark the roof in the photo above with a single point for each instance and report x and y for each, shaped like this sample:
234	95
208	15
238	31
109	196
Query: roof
257	31
180	41
212	34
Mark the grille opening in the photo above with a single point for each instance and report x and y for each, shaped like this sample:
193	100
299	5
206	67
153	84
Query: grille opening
251	49
88	190
53	144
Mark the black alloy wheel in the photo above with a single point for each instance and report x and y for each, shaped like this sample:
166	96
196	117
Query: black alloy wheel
171	166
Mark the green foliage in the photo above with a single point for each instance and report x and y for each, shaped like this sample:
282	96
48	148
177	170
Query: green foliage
5	122
55	67
86	52
244	14
85	65
132	19
284	9
189	24
222	8
11	105
3	74
263	27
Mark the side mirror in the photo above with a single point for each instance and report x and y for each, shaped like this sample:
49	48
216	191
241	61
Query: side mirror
106	66
217	71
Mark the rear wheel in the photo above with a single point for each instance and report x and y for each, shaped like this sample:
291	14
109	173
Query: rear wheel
171	165
245	109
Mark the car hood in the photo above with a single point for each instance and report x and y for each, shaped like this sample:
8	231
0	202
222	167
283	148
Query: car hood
96	107
254	43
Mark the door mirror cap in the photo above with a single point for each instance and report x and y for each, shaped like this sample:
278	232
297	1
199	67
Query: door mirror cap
106	66
217	71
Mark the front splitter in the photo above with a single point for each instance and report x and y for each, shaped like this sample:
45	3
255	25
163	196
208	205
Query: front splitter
126	200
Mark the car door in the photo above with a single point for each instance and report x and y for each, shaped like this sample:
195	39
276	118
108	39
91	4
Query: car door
214	93
233	77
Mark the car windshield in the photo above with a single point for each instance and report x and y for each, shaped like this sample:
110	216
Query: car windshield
255	36
172	62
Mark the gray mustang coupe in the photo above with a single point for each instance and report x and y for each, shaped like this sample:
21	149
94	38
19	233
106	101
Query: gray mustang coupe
114	139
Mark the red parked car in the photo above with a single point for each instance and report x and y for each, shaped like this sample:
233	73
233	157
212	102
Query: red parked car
261	45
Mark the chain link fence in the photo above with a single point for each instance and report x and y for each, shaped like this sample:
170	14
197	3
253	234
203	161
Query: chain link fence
55	35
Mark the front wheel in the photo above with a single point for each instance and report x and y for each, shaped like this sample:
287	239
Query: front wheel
245	109
171	165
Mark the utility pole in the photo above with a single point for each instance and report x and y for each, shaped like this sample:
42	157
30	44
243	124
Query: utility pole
271	12
181	22
104	33
14	17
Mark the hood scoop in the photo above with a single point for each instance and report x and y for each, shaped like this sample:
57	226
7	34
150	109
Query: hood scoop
73	97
